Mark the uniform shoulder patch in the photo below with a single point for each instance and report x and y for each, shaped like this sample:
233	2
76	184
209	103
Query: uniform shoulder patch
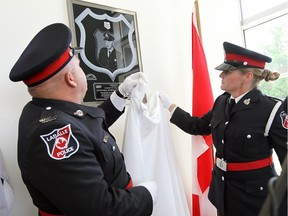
284	119
61	143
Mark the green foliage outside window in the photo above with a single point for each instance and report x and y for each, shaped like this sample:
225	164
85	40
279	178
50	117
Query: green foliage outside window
276	88
278	49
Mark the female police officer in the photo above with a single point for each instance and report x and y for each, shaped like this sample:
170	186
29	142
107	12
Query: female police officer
69	161
243	163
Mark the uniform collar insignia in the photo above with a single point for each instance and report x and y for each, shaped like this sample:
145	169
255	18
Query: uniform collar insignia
247	101
79	113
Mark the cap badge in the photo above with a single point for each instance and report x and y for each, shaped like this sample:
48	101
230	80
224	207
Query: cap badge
71	52
247	101
245	63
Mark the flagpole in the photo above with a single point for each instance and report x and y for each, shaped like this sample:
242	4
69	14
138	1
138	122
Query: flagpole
197	14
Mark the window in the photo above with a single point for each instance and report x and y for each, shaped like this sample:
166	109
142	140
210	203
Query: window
265	30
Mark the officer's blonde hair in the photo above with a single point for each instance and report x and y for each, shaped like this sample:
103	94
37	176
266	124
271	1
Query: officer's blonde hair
261	74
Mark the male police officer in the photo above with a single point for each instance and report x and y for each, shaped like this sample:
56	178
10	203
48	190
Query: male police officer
69	161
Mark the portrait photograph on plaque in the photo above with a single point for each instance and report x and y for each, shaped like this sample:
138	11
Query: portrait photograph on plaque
111	45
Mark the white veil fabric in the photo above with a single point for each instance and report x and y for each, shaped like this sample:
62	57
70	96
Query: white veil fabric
6	190
149	153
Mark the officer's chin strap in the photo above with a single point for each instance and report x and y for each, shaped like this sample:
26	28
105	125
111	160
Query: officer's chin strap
277	187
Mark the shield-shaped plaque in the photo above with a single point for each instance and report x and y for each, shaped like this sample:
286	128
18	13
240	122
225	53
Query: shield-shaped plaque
109	37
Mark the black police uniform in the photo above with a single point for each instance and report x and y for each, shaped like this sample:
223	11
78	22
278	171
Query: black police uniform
238	137
93	173
110	62
69	161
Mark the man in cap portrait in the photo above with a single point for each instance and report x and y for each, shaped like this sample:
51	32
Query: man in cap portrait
109	57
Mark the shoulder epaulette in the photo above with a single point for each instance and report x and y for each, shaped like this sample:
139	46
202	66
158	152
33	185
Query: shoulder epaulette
273	98
48	114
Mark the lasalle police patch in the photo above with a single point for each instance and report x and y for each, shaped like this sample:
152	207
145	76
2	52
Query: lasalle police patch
61	143
284	119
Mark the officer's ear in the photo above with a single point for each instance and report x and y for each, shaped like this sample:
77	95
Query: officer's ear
70	79
249	76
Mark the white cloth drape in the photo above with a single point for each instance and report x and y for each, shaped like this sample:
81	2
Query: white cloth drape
6	191
149	152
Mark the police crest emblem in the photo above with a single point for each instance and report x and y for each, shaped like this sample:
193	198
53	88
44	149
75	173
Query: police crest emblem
284	119
61	143
92	41
111	45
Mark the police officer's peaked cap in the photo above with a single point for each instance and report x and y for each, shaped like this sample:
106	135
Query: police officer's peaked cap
108	37
47	53
239	57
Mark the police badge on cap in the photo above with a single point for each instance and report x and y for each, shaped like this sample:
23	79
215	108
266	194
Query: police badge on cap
239	57
47	53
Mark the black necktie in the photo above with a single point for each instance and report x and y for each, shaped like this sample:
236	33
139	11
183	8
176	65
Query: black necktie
231	104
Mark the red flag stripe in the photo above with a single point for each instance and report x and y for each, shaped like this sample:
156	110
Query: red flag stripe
202	102
196	205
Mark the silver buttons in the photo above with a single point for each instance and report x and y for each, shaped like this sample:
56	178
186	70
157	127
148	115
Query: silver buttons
48	108
249	136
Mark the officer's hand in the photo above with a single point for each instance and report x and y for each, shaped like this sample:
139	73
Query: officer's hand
152	188
130	82
166	101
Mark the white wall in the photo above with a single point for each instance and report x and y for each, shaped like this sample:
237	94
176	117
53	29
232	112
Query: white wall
165	40
220	21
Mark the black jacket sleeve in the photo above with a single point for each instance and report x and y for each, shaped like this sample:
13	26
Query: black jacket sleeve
192	124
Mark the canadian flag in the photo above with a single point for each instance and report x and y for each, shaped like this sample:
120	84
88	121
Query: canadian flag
202	148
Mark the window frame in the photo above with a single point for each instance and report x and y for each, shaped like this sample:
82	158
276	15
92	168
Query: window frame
262	17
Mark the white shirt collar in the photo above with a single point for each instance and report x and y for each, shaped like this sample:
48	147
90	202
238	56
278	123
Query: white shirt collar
239	97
